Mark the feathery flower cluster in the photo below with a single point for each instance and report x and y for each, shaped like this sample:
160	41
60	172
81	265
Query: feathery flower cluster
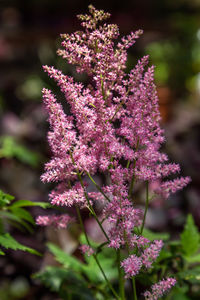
131	265
58	221
86	249
113	128
134	263
159	289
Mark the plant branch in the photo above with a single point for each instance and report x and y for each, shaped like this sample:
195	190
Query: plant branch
146	207
94	255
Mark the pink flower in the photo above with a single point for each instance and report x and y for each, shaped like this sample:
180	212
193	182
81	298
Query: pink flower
131	265
112	127
159	289
151	253
58	221
86	249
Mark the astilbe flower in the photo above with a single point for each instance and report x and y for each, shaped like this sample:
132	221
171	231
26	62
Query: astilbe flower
132	265
159	289
58	221
86	250
113	127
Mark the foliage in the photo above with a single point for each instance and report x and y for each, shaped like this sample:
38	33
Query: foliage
112	127
11	148
84	272
14	213
183	257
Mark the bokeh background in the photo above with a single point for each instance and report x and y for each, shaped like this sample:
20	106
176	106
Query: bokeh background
29	37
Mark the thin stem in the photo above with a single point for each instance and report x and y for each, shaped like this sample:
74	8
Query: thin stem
146	207
128	164
94	255
133	177
90	206
118	108
121	277
97	186
102	88
134	289
132	181
133	278
87	198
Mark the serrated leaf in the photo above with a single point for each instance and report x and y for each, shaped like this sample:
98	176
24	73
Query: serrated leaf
78	289
52	277
91	269
9	215
65	259
190	237
5	199
150	235
22	214
24	203
65	283
12	217
8	242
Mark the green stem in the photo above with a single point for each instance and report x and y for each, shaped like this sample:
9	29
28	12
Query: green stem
134	289
132	181
87	198
146	207
133	177
98	187
133	278
94	255
102	88
121	277
90	206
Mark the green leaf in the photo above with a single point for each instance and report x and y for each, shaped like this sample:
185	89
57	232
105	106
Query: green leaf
65	259
10	215
150	235
82	240
91	270
78	289
1	252
26	156
164	255
193	259
179	296
5	199
107	258
8	242
192	275
190	237
22	203
11	148
14	219
108	264
22	214
52	277
66	283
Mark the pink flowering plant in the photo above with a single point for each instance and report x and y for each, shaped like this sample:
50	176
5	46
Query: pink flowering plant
112	128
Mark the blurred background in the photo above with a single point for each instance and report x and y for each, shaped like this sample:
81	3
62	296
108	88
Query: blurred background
29	37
